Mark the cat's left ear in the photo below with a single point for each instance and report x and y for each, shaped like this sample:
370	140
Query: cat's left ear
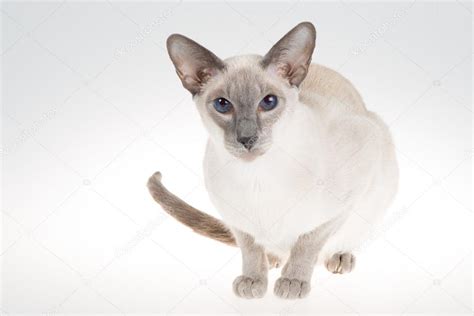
290	57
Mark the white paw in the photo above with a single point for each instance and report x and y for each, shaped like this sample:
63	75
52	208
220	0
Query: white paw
291	288
341	263
247	287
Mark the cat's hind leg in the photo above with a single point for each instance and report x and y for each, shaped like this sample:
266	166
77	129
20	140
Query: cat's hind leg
273	261
341	263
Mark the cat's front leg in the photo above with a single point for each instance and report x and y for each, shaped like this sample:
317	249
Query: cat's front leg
254	279
295	280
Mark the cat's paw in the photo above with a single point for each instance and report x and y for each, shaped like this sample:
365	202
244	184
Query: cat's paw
247	287
341	263
291	288
273	261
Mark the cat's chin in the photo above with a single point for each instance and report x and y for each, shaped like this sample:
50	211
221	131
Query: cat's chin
249	156
242	154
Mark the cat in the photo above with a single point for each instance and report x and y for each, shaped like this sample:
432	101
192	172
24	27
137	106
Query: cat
298	168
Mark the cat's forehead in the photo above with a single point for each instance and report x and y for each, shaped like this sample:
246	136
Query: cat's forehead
243	61
244	79
244	84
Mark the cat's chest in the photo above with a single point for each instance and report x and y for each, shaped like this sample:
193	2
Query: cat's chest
275	200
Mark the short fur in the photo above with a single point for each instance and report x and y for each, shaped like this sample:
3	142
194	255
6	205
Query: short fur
200	222
320	173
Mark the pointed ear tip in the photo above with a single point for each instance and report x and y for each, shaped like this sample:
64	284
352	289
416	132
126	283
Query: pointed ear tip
307	25
172	38
174	41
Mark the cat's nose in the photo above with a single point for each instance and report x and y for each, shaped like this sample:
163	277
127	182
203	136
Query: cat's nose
248	142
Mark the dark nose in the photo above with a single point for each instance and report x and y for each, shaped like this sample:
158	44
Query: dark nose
248	142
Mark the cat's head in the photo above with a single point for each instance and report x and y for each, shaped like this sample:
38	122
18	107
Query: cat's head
242	98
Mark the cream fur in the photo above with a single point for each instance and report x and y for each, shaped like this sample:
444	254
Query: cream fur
330	159
303	180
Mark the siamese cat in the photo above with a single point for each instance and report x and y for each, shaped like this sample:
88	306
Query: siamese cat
298	168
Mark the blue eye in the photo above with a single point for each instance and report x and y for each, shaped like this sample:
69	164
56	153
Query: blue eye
269	102
222	105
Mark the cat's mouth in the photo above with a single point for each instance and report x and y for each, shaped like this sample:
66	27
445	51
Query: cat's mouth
251	155
247	155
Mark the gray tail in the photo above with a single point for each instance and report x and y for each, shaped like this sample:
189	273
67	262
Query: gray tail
198	221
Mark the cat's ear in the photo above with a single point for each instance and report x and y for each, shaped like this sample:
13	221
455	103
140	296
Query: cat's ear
290	57
194	64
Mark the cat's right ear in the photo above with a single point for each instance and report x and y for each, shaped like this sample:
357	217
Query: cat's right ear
194	64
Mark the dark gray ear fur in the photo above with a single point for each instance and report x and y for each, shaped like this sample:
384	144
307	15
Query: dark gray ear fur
194	64
290	57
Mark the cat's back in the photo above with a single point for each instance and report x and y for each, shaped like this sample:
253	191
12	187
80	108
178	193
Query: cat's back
346	122
359	143
323	84
359	151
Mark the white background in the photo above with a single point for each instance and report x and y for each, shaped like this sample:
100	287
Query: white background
92	107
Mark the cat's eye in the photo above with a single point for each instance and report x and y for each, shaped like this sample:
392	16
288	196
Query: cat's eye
222	105
269	102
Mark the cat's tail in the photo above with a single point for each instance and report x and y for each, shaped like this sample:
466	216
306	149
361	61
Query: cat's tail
198	221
